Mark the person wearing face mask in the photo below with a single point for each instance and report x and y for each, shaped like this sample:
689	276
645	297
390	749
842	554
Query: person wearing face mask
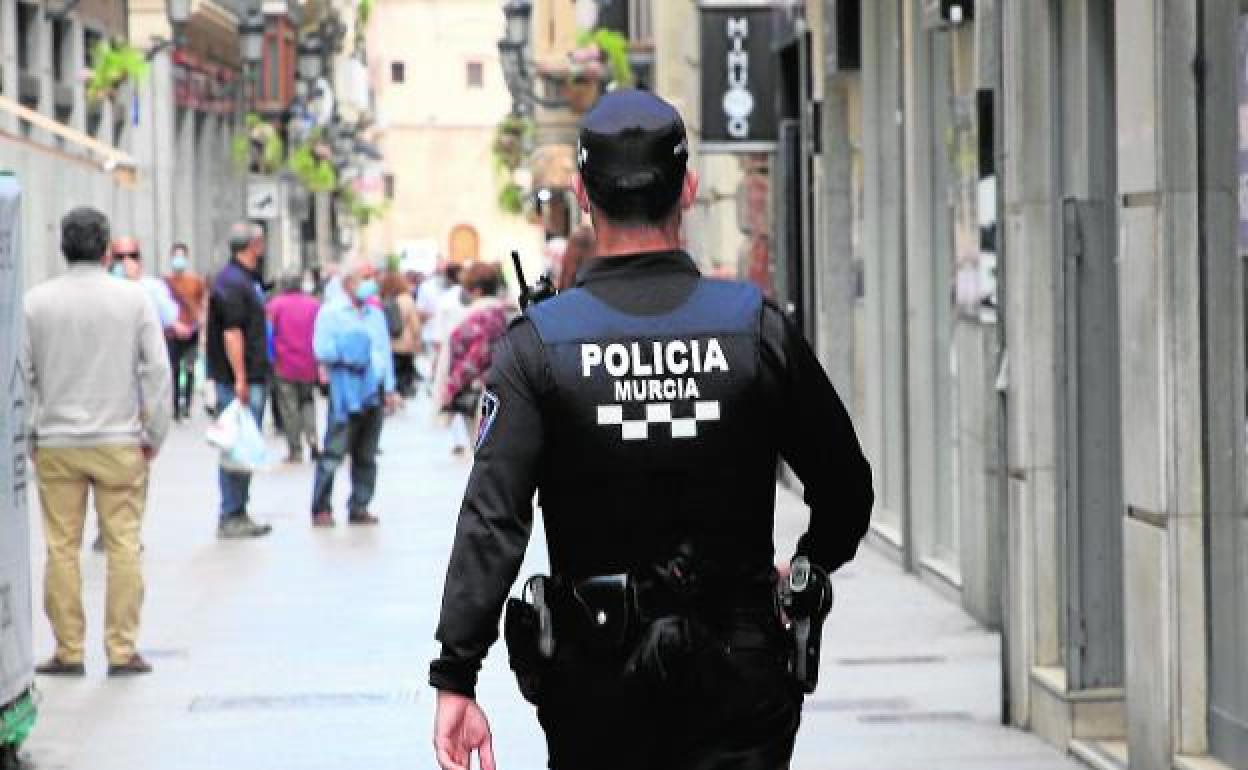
292	318
238	361
190	293
352	342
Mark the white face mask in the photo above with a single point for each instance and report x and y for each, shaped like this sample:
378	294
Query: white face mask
309	287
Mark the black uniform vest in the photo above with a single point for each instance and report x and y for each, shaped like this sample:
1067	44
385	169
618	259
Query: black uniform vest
655	435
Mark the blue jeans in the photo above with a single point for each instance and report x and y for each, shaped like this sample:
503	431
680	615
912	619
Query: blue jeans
235	487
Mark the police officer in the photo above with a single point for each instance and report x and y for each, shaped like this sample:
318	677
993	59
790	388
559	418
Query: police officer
647	406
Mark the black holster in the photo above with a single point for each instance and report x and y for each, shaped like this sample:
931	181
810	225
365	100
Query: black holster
806	599
529	634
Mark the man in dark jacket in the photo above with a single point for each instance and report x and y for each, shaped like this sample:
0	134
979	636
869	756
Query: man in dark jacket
238	361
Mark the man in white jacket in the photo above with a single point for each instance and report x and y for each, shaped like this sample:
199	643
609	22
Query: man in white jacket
97	375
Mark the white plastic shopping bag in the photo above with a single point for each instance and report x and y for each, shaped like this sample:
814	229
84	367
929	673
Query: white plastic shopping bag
237	435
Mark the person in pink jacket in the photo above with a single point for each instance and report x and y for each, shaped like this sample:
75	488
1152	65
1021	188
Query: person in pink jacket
292	318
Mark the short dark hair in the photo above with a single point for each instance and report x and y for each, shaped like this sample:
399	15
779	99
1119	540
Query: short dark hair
178	245
84	235
640	209
453	271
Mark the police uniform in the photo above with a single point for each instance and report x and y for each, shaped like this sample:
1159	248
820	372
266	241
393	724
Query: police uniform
647	407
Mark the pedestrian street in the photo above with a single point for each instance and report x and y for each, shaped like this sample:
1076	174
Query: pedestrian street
309	649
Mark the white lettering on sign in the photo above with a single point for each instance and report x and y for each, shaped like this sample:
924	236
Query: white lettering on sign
738	101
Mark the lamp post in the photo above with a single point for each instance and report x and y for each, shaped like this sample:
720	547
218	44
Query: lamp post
179	12
251	39
519	16
311	62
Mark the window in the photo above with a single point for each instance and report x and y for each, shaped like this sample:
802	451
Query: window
27	19
90	39
273	69
388	181
476	74
398	72
61	31
641	24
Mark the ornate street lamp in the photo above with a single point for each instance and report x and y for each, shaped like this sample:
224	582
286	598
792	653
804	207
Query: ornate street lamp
519	16
179	12
311	62
251	41
251	36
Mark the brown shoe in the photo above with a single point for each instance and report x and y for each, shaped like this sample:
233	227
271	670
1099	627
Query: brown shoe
323	519
363	519
133	667
54	666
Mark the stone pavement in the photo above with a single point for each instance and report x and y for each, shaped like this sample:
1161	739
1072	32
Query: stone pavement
308	649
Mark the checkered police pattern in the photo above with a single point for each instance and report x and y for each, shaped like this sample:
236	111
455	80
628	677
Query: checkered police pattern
658	414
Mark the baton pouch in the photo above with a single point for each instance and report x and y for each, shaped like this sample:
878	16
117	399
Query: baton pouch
606	609
528	634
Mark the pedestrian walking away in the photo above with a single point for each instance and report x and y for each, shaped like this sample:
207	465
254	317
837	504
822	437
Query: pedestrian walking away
190	293
97	375
238	361
352	342
648	407
469	348
403	321
292	319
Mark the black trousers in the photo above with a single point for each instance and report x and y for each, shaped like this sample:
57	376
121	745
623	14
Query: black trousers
734	708
182	366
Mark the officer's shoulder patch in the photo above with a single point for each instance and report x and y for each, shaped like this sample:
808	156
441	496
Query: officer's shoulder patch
490	404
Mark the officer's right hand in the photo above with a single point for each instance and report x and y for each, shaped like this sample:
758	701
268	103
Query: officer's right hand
459	728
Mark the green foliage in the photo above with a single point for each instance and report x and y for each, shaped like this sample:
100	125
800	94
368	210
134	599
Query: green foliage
363	10
315	173
259	147
511	199
614	47
511	138
240	152
362	212
111	65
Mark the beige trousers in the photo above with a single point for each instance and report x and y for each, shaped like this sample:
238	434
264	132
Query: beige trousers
118	477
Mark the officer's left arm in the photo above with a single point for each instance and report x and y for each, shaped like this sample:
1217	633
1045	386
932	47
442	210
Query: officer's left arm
819	444
497	514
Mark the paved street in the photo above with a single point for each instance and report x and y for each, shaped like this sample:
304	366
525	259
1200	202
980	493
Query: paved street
309	649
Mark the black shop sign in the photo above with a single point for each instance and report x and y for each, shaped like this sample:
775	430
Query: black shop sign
738	77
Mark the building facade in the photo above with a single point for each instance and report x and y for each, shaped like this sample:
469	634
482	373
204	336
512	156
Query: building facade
440	96
1021	258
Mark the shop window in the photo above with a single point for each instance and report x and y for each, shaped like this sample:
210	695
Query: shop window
398	72
475	74
90	39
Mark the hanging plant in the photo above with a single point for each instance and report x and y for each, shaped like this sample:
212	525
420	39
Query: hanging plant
363	10
258	148
511	199
610	45
312	167
511	139
361	211
112	64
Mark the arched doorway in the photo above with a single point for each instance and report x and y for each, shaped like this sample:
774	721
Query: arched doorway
465	244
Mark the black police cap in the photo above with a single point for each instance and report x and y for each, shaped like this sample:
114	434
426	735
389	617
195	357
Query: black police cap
631	142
